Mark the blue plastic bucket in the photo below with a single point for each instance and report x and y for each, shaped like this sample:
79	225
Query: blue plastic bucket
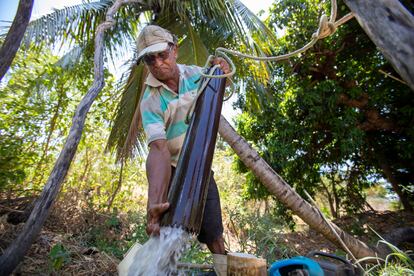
283	267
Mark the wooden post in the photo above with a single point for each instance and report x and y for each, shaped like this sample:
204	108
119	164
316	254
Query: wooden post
241	264
391	27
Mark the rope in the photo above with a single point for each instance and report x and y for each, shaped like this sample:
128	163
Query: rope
334	231
326	28
391	76
201	88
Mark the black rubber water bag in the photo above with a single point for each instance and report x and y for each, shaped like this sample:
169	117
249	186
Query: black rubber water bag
189	186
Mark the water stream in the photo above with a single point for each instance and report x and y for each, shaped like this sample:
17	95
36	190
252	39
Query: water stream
159	255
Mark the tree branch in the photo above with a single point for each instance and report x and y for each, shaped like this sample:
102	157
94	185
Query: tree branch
15	35
16	251
373	119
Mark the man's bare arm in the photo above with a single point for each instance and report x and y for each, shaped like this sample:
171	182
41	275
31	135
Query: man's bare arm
158	174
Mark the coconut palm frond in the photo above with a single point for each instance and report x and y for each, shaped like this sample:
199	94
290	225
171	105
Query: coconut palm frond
223	19
119	40
64	23
127	137
118	47
201	26
71	58
194	49
130	65
254	24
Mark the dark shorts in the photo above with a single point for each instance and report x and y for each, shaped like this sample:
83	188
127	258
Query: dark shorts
212	225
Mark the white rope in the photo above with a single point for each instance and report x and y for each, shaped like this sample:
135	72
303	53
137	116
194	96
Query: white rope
326	28
330	225
202	86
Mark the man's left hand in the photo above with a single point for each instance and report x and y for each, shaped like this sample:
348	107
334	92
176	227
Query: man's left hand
223	64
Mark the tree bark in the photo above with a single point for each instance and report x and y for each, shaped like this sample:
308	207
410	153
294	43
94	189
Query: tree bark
15	35
373	119
391	27
285	194
330	201
336	198
18	248
394	183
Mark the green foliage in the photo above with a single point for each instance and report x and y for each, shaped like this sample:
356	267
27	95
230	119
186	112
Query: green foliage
395	263
58	257
25	107
334	120
196	254
12	159
138	228
258	233
39	100
116	234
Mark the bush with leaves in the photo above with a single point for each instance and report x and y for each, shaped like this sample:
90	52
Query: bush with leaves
331	115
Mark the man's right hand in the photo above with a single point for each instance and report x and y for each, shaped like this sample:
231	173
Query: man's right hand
154	213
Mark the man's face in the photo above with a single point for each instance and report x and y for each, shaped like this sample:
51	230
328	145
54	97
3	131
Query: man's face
163	65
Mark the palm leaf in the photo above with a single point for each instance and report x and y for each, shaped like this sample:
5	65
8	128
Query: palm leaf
201	27
77	25
254	24
72	57
126	135
64	23
192	49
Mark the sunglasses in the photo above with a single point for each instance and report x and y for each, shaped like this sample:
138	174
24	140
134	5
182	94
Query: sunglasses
151	58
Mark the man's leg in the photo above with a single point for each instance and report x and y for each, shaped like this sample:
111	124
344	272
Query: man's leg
217	246
211	230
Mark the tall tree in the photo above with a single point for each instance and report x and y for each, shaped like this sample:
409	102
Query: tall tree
216	20
167	12
334	113
15	35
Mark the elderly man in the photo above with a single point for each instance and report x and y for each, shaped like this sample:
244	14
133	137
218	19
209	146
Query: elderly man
170	91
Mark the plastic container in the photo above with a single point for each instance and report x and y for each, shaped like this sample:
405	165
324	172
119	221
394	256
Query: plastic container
296	266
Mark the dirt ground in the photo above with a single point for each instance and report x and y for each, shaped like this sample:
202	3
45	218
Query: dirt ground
360	226
90	261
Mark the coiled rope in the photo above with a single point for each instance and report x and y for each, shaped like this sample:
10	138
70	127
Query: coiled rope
326	28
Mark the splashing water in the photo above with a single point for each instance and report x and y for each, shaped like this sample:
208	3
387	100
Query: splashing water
158	256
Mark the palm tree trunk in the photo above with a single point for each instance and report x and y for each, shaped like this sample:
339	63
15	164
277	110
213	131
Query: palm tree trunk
288	196
18	248
15	35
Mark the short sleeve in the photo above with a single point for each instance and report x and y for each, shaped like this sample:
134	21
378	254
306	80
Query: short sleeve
152	116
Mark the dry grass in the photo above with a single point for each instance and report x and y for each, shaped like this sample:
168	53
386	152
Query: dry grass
68	221
71	219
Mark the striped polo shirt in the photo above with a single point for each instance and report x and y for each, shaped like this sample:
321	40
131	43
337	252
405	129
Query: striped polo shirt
163	111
